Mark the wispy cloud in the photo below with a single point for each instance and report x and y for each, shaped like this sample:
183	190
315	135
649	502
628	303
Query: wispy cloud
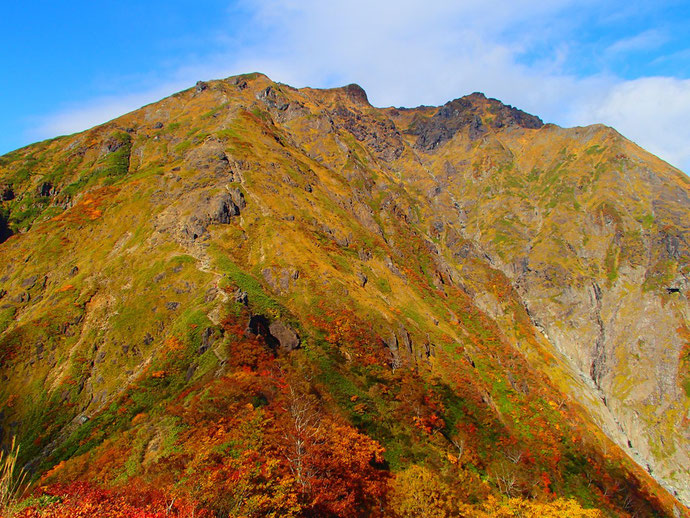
407	52
80	116
653	112
647	40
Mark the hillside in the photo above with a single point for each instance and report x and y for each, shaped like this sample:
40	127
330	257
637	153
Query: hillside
251	299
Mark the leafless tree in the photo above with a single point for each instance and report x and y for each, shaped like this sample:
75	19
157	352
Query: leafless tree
505	476
304	431
459	444
514	454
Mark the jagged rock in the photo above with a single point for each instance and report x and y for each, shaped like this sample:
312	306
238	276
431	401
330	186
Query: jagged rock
337	236
364	254
6	193
201	86
68	328
158	125
673	244
258	325
209	336
112	144
211	294
277	334
286	336
380	135
45	190
272	99
172	306
466	112
241	297
280	280
211	156
393	268
392	344
356	94
406	340
5	231
220	208
362	279
237	197
241	84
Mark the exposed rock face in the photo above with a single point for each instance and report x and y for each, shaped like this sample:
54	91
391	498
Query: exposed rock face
356	94
464	114
211	156
381	136
6	193
286	336
277	334
5	231
208	337
45	189
219	208
594	279
272	99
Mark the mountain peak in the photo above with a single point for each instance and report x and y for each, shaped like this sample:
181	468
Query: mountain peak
356	93
475	114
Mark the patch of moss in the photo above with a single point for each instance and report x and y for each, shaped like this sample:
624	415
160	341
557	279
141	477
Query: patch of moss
182	147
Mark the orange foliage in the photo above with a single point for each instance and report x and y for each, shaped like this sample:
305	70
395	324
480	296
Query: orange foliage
88	208
81	500
342	473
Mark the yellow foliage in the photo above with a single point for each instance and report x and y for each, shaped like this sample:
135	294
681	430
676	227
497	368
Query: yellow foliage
418	491
519	507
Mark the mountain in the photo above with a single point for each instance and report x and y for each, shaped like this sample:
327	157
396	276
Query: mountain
254	300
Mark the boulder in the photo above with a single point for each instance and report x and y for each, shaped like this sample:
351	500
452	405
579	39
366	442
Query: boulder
277	334
286	336
209	336
45	190
5	230
6	193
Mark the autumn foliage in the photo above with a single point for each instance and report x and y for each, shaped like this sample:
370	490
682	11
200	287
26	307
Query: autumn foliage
81	500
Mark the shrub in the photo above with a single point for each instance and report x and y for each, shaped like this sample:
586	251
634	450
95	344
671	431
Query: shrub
11	480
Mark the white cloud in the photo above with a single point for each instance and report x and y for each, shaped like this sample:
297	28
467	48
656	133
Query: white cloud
654	112
407	52
645	40
80	116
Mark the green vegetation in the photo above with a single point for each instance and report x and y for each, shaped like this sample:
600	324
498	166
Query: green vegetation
182	147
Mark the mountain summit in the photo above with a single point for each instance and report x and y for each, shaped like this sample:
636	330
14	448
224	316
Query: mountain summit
254	300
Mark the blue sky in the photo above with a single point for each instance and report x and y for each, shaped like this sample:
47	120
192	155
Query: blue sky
70	65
